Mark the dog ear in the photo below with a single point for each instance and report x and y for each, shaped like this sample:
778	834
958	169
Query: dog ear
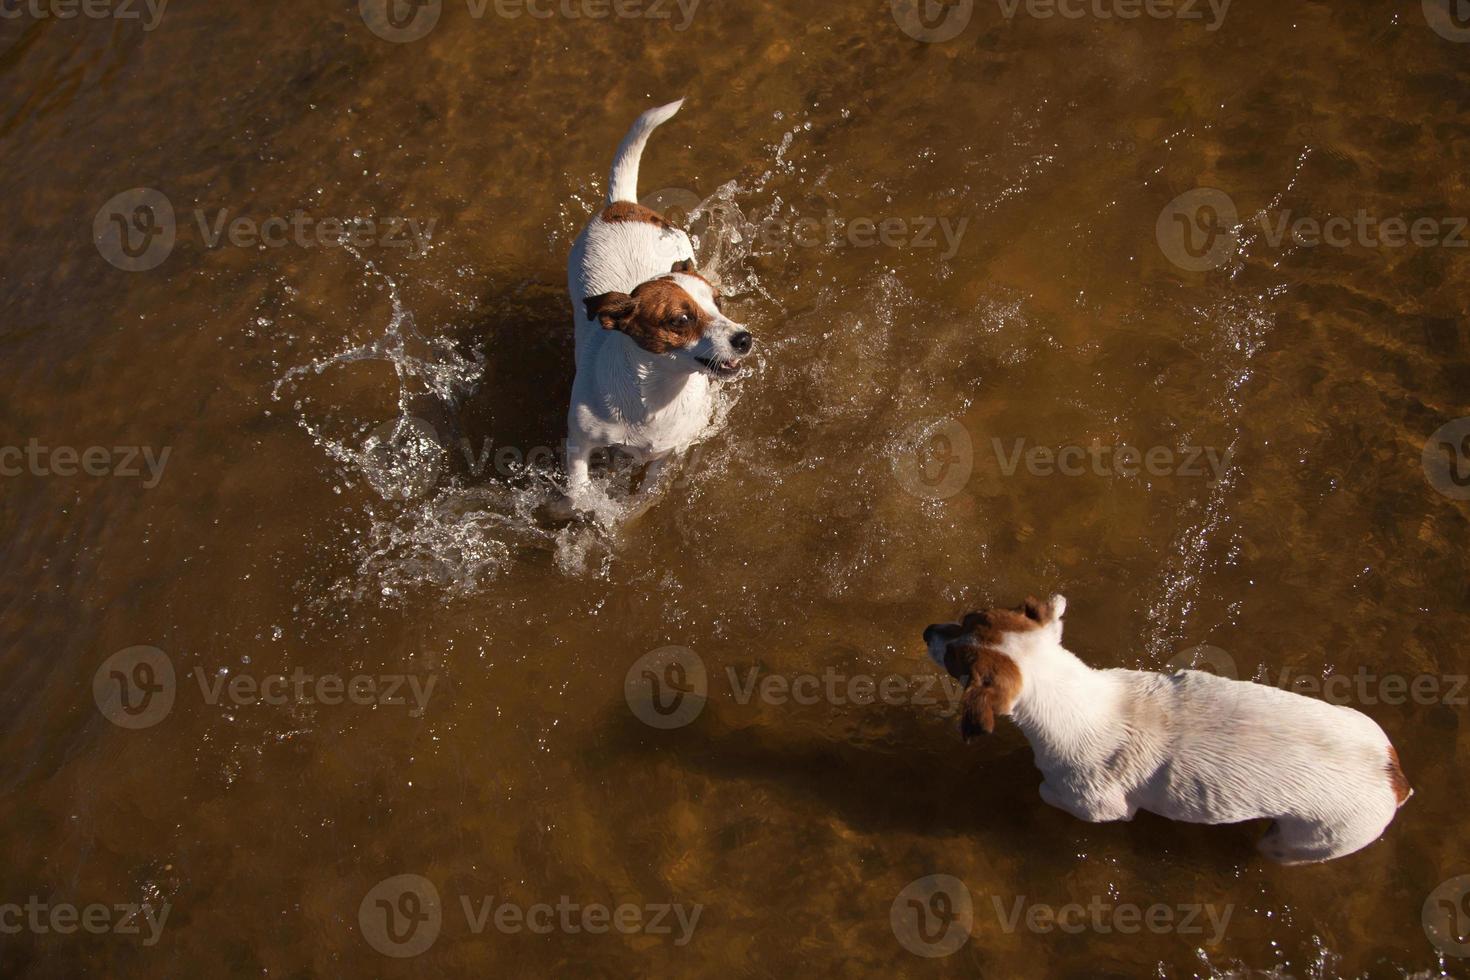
995	683
610	309
683	265
977	716
1044	612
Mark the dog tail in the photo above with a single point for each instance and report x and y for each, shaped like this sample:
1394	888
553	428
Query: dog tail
622	185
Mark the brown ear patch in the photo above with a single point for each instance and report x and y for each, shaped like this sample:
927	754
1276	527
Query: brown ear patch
995	683
1396	778
612	310
628	211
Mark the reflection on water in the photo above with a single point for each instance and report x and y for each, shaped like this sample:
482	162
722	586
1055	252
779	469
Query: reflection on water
1007	284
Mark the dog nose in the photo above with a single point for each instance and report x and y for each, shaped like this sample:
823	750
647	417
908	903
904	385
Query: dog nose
742	342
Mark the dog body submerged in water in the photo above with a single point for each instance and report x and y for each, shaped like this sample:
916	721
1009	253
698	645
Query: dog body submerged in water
1189	746
651	336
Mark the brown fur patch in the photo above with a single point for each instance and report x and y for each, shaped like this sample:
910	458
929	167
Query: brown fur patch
990	627
660	315
628	211
995	683
994	678
1396	778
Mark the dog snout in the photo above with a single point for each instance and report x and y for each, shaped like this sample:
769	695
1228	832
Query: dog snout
742	342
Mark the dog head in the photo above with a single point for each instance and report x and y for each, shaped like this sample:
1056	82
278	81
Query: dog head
985	653
678	315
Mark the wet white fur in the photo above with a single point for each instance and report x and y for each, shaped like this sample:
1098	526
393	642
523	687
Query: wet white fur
652	406
1195	747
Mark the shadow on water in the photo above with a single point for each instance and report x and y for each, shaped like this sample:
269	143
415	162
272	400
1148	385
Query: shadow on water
525	331
987	789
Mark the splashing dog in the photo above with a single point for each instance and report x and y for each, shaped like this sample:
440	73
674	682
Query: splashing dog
652	339
1189	746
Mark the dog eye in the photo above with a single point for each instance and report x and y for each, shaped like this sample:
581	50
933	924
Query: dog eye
682	320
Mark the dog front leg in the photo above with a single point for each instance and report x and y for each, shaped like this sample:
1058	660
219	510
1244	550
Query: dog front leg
1094	807
650	490
579	483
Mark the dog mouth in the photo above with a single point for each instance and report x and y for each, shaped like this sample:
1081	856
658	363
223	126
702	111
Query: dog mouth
720	369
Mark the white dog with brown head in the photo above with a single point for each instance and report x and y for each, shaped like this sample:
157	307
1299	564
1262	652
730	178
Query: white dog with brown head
1189	746
652	338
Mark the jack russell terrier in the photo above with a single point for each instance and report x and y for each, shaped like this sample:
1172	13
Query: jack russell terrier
1189	746
651	335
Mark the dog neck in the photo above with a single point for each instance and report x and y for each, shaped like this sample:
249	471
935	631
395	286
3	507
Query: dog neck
1066	710
643	384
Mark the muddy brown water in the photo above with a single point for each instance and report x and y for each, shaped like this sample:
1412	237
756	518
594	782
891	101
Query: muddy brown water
978	313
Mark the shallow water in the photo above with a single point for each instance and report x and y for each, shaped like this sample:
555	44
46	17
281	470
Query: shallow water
358	443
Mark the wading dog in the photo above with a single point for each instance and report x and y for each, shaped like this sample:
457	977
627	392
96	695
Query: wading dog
652	339
1189	746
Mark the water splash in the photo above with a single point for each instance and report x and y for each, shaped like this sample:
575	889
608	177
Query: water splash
429	528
